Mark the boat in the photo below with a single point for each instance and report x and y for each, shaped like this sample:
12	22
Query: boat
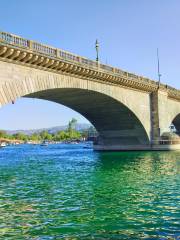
44	144
74	142
88	146
3	144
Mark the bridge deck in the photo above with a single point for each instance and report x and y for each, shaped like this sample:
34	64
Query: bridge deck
16	48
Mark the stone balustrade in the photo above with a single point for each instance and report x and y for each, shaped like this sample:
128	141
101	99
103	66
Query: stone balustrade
57	55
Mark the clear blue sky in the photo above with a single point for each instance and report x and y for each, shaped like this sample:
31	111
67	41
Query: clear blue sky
128	31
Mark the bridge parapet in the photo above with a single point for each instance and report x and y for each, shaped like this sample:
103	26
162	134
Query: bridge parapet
14	40
51	58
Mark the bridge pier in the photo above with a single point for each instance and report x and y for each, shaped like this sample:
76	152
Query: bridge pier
134	139
116	147
124	140
160	121
159	117
153	147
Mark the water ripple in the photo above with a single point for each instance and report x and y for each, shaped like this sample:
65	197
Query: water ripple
67	192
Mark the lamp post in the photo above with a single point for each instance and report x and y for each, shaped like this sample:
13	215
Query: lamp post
159	75
97	50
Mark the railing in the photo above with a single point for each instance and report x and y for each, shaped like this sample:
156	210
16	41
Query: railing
88	62
58	53
43	49
167	142
106	67
13	39
68	56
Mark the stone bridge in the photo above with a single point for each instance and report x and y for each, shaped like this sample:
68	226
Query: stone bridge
130	112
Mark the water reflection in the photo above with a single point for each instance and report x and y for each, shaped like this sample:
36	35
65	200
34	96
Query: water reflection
68	192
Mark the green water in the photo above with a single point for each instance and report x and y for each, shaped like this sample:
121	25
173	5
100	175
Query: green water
67	192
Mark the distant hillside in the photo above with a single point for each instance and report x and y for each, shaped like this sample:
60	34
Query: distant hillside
79	127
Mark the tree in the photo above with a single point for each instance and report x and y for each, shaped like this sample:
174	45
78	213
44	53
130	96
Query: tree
3	134
71	127
20	136
72	124
35	137
45	135
92	131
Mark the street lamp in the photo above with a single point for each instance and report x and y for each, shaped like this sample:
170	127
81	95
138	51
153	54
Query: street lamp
97	50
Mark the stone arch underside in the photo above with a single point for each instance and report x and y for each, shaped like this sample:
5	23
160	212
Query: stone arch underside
115	122
176	123
170	115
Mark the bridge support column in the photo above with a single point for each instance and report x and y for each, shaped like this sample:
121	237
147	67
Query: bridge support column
158	115
134	138
154	108
159	120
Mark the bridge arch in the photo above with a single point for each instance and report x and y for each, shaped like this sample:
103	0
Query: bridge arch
113	120
170	114
176	123
120	115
